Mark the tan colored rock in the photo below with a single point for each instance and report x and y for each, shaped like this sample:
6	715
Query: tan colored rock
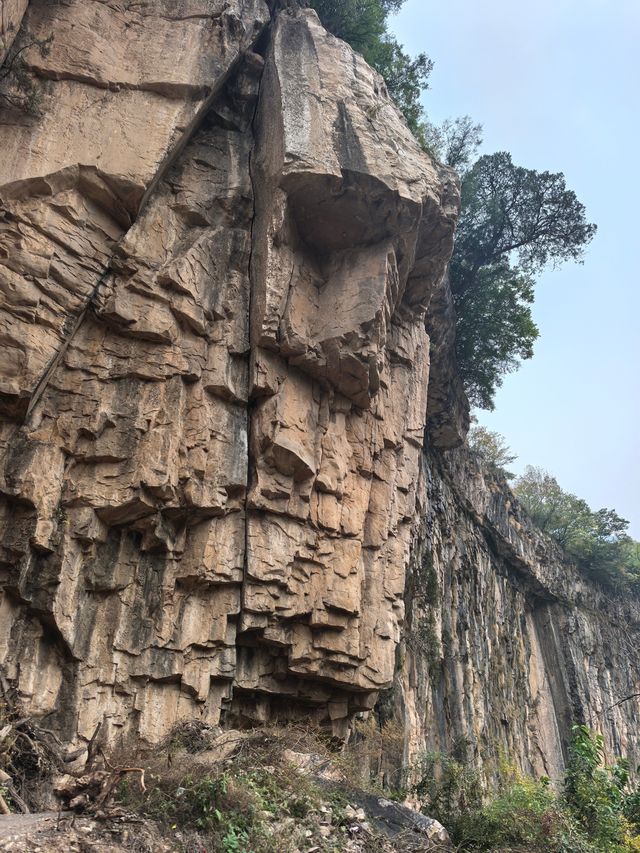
11	14
507	645
123	88
346	202
213	385
122	492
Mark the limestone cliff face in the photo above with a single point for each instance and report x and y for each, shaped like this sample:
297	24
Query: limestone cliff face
218	245
506	646
224	326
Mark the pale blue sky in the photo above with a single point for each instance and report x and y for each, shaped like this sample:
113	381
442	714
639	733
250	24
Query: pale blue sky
557	83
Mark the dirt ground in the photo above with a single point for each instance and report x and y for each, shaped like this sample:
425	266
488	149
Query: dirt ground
53	833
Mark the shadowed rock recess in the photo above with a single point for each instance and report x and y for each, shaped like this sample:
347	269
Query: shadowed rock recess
222	271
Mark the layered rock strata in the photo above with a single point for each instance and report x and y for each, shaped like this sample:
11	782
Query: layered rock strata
218	245
224	325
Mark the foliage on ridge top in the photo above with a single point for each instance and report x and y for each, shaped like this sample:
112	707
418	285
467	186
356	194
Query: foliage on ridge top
597	541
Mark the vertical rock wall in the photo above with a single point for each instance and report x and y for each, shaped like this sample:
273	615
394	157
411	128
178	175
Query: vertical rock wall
506	645
217	247
352	232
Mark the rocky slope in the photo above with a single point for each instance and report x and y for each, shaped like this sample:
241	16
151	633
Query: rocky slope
225	325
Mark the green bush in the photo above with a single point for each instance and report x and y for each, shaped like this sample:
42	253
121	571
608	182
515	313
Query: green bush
449	788
597	540
600	798
18	86
596	812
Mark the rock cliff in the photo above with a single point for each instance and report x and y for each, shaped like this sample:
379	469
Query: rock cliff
219	243
225	326
506	646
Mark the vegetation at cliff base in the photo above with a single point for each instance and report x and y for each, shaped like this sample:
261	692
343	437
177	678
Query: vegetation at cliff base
289	790
597	809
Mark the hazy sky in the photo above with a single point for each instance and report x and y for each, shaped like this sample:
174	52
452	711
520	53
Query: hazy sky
557	83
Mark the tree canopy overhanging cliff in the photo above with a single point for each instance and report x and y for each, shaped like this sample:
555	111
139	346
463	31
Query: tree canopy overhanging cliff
514	221
363	24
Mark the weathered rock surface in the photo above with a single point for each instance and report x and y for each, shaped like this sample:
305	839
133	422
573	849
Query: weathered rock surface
507	645
353	229
224	326
216	266
123	87
11	15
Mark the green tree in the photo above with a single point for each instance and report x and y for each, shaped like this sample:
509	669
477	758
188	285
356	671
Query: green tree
557	513
454	142
514	222
361	23
509	211
494	327
598	541
599	797
493	448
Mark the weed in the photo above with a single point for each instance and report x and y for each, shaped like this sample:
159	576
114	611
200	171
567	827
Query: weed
595	812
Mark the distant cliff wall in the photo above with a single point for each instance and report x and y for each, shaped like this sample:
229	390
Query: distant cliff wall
506	645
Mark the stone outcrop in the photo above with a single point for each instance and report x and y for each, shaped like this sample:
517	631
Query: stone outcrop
123	88
219	243
352	232
225	331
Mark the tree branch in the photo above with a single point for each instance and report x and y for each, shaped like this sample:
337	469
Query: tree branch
622	701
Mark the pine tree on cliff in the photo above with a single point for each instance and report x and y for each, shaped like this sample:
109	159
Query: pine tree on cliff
514	222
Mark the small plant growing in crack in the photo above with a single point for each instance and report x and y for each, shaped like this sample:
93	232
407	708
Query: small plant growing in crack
18	89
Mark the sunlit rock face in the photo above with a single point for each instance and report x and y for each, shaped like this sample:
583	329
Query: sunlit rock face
227	337
218	245
352	233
